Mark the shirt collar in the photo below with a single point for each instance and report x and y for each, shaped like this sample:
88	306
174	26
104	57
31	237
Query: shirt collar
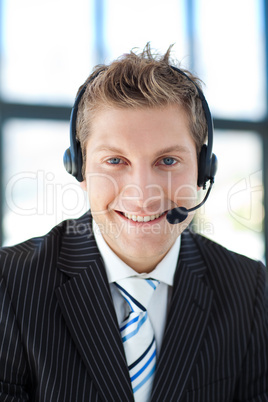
116	268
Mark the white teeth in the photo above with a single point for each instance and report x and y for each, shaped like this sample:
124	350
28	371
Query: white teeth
138	218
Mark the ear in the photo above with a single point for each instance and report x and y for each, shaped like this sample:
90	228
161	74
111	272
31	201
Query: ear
83	185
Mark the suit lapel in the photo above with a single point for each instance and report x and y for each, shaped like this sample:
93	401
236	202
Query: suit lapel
186	324
87	307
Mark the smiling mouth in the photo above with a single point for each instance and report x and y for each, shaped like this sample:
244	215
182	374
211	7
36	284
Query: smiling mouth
139	218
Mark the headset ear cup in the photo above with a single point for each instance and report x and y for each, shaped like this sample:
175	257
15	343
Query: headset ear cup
67	161
72	166
201	181
79	165
214	165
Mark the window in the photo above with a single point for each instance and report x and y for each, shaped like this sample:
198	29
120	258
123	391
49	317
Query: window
230	57
48	48
234	213
38	192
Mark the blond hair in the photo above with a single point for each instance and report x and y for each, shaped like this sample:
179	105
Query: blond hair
138	80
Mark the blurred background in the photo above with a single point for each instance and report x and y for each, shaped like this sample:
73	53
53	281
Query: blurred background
49	47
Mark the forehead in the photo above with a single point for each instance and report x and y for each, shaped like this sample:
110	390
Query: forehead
140	128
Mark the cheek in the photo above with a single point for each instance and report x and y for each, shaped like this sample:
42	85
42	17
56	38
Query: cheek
102	189
184	191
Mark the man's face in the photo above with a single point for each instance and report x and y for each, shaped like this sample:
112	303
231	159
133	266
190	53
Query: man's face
139	164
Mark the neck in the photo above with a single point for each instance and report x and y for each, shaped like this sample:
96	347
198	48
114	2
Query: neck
140	264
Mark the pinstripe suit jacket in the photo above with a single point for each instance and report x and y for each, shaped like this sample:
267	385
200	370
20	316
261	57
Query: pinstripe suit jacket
59	338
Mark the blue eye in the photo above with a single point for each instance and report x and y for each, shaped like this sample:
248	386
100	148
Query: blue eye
168	161
114	161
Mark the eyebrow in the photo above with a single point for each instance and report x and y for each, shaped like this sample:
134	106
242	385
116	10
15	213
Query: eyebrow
161	151
179	148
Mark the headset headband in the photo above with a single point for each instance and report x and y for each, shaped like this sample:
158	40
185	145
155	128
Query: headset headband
207	164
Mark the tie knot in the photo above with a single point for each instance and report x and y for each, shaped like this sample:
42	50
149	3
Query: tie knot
137	291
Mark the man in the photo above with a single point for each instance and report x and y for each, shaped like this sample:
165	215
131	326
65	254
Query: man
120	304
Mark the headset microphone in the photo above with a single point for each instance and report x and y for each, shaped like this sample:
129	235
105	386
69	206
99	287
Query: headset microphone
179	214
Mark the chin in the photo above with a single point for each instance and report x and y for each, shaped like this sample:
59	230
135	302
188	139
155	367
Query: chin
145	248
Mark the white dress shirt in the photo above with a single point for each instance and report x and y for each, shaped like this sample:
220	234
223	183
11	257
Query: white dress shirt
164	272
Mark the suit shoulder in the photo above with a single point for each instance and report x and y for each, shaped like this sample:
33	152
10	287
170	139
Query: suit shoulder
233	276
30	251
44	250
219	252
227	265
69	226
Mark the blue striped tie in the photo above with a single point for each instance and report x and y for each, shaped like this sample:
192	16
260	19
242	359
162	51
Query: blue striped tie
138	335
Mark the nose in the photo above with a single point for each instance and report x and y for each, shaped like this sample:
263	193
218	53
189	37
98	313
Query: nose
144	192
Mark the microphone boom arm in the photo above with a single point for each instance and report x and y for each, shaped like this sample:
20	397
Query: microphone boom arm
179	214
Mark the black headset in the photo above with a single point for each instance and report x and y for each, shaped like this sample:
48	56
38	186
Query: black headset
207	164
